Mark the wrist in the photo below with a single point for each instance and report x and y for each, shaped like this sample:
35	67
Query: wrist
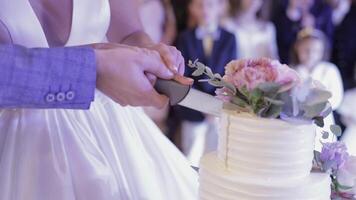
139	39
99	64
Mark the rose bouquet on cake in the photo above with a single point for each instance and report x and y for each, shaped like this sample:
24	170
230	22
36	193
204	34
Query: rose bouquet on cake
266	88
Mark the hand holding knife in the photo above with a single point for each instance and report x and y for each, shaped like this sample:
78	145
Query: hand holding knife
189	97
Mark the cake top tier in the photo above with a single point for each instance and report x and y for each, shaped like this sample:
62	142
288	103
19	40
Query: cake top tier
267	123
265	148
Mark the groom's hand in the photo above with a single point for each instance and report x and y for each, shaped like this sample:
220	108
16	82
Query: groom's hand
122	74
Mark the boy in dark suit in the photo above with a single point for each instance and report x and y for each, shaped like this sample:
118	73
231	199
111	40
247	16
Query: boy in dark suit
214	47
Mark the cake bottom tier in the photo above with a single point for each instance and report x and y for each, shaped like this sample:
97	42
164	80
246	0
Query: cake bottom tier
217	183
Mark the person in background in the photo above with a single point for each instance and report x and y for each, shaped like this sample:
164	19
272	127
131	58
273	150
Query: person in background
344	51
309	59
158	20
215	47
159	23
348	117
340	9
180	8
294	15
254	36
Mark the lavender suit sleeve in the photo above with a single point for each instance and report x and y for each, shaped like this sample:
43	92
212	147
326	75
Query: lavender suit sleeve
47	77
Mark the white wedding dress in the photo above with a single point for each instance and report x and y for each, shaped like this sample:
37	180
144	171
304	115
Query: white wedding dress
109	152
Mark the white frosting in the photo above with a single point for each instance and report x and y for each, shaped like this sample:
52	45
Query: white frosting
218	183
265	148
262	159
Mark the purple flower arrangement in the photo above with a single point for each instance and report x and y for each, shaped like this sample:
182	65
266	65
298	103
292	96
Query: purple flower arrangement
333	156
341	166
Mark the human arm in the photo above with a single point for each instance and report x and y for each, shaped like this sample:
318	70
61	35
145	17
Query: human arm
67	77
169	29
46	77
4	34
122	74
125	14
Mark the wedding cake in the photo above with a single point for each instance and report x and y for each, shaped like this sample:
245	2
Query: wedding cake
266	143
262	159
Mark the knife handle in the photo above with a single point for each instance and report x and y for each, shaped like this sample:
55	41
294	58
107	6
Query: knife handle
175	91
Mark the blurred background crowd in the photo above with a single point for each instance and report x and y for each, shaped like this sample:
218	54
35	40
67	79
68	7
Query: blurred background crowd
316	37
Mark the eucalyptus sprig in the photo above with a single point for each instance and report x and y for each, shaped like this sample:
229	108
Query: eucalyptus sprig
264	100
213	79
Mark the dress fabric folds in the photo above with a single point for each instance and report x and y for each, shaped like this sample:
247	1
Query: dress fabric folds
109	152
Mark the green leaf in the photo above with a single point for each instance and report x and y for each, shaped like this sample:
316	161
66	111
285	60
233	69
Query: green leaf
317	96
255	95
230	86
209	73
319	121
327	111
262	111
273	111
317	163
311	111
217	75
198	72
274	101
231	106
203	80
190	64
200	65
269	87
342	187
236	100
215	83
325	135
243	90
336	130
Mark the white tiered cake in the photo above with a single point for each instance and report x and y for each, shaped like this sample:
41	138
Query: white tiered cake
262	159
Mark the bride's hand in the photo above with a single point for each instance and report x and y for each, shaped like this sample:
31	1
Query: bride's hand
122	74
174	60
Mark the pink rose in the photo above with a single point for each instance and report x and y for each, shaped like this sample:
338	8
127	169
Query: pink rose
253	72
250	72
287	77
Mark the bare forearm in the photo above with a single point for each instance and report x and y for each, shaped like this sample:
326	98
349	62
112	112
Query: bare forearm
138	38
170	30
5	37
125	26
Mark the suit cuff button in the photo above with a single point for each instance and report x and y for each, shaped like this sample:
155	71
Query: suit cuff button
70	95
50	98
60	96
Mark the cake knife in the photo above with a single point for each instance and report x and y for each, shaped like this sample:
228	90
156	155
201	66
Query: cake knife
189	97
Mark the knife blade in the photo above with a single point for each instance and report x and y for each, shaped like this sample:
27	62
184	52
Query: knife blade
189	97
